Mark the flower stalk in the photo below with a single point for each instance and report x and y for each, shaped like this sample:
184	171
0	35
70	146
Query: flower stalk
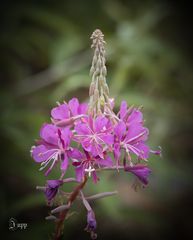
86	136
63	213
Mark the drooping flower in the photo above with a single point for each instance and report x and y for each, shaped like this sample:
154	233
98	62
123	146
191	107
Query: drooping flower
91	221
53	147
140	171
91	224
52	189
85	163
66	114
94	135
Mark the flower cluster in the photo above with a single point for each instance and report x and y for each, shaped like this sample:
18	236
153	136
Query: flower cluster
92	137
76	138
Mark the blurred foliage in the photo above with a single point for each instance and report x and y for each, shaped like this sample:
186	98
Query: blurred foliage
45	57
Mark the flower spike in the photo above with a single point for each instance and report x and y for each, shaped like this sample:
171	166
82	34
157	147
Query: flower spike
86	136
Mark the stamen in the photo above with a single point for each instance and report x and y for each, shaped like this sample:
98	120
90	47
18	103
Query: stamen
51	156
138	136
89	170
45	163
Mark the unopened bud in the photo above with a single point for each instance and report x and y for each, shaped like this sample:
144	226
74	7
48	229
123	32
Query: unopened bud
98	63
94	61
92	70
106	89
51	217
97	51
91	89
104	71
102	100
63	123
96	95
60	208
101	80
97	71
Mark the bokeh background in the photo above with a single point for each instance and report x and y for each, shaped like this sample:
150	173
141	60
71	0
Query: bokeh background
45	57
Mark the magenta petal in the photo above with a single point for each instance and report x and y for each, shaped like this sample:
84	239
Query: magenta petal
120	129
61	112
42	153
117	151
52	188
82	129
86	143
136	132
75	154
144	150
73	106
109	126
107	162
123	109
66	136
82	109
100	123
135	116
90	122
107	138
48	133
79	173
50	193
94	177
140	171
64	164
54	183
96	150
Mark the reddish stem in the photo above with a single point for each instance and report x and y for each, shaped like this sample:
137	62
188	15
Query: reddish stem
63	214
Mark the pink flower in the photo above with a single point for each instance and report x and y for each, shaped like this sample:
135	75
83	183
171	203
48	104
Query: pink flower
131	137
130	115
130	134
94	135
53	147
85	163
65	114
89	137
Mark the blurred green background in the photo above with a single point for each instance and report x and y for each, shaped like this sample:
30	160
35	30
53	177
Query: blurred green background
45	57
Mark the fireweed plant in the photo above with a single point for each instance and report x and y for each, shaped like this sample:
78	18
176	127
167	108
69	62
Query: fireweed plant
92	138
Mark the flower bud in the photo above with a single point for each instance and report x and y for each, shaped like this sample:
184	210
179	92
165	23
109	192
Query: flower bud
92	71
91	90
96	95
104	71
106	89
64	123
